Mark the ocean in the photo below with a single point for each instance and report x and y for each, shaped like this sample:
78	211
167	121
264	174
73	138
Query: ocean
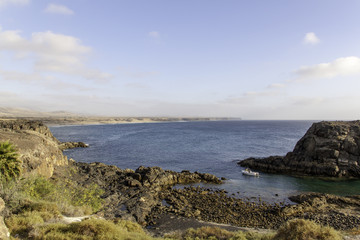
207	146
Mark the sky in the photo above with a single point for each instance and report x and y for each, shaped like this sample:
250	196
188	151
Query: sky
249	59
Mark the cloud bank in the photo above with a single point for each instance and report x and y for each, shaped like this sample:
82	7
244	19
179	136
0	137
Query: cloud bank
51	52
345	66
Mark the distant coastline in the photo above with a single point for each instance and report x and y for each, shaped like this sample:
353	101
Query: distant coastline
62	118
88	120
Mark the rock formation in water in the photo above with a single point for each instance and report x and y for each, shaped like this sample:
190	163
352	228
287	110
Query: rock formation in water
70	145
330	149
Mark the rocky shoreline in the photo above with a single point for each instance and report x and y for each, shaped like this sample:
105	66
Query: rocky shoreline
148	195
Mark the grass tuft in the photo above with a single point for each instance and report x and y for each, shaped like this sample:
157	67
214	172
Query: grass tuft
300	229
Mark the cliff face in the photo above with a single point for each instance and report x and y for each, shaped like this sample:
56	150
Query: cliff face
327	149
38	148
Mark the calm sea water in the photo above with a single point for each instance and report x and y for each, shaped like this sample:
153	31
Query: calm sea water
212	147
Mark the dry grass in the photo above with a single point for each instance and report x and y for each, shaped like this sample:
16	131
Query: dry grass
90	229
216	233
300	229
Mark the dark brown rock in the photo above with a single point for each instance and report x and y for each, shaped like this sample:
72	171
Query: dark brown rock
131	194
330	149
70	145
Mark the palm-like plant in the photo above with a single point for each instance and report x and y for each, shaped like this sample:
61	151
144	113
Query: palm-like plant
10	165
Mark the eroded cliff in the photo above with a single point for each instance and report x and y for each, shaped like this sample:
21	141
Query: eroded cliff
38	148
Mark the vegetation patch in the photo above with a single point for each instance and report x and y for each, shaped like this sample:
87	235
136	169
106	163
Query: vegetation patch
216	233
300	229
91	229
10	165
66	194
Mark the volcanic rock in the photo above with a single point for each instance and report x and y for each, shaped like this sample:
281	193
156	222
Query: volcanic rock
70	145
330	149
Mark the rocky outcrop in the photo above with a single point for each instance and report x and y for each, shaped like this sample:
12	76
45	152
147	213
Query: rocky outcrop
4	231
38	148
70	145
131	194
26	125
330	149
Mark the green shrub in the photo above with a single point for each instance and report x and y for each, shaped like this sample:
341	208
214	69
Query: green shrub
88	196
300	229
70	197
39	187
11	194
24	222
130	226
49	210
10	165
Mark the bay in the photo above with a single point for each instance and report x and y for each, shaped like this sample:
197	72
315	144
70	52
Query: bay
211	146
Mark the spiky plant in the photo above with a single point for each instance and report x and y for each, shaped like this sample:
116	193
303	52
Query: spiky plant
10	165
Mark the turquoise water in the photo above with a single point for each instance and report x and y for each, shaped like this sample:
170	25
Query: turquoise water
213	147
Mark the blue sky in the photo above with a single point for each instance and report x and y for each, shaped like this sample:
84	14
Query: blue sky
249	59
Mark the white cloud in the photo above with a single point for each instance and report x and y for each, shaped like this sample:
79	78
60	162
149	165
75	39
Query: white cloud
154	34
4	3
52	52
345	66
311	38
58	9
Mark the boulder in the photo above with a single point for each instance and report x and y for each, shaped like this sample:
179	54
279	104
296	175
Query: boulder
329	148
70	145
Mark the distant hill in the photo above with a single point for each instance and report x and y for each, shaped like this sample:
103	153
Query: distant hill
6	112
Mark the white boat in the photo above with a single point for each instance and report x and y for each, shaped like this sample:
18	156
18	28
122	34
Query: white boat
248	172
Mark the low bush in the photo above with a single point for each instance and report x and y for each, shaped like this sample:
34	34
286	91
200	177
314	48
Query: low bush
129	226
49	210
300	229
70	197
38	187
22	223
